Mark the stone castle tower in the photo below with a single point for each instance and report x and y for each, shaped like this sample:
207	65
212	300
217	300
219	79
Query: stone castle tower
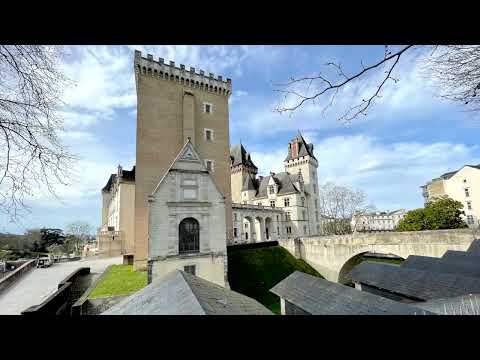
241	168
300	160
175	104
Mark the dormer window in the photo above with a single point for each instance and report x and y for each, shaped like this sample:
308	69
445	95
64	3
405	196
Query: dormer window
271	189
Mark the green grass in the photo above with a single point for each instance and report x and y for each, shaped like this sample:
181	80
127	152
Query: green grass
254	272
120	280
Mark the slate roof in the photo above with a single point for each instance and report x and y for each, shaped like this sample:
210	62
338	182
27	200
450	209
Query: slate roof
180	293
460	305
304	149
461	256
249	183
459	267
285	183
317	296
474	247
448	175
413	283
128	175
239	156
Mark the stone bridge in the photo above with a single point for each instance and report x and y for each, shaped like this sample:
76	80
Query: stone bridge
334	256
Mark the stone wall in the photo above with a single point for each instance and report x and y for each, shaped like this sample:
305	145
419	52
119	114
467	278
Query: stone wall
16	275
328	254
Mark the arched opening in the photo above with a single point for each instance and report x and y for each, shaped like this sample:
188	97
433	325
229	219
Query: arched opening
188	236
259	229
391	259
248	233
269	231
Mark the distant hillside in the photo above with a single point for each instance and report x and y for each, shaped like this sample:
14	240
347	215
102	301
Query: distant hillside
253	272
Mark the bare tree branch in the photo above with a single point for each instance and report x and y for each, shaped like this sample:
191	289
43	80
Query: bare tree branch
32	156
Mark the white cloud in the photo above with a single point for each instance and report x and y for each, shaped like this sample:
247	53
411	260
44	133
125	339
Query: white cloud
390	174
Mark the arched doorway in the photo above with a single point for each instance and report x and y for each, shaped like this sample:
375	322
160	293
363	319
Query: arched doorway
188	236
248	233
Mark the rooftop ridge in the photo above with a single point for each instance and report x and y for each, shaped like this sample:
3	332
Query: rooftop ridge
161	70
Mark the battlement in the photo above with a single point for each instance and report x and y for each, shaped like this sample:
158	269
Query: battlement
160	70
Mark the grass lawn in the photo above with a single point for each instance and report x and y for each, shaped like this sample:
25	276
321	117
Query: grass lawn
120	280
253	272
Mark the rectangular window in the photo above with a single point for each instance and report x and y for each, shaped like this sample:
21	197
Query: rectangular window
316	215
235	233
303	201
235	216
207	108
259	204
288	229
208	135
209	165
288	216
467	194
278	218
470	219
314	188
316	204
271	189
278	230
272	203
304	229
246	225
304	215
190	269
469	205
286	202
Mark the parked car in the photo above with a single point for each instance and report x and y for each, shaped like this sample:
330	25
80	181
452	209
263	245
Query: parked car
44	262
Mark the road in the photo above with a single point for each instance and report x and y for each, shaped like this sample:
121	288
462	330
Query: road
38	284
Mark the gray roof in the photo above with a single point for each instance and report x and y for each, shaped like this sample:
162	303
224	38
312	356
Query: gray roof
460	305
249	183
461	256
474	247
285	183
413	283
317	296
128	175
180	293
448	175
464	268
239	156
304	149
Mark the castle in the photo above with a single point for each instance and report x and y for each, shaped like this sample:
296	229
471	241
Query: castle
192	194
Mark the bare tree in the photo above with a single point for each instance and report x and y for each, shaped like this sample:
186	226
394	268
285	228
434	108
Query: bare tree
456	70
78	233
32	157
337	206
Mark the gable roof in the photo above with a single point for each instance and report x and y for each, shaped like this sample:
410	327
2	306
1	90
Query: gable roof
285	183
304	149
180	293
240	156
460	305
187	156
413	283
442	265
448	175
317	296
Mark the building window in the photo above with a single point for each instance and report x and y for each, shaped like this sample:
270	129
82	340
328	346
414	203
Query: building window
278	218
288	216
304	229
467	194
316	204
209	165
207	108
190	269
318	229
314	188
464	180
235	233
271	189
469	205
272	203
189	236
246	225
286	202
208	135
303	201
259	204
470	219
288	229
235	216
316	215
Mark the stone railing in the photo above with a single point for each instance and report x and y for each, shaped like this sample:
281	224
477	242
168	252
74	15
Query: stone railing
254	207
16	275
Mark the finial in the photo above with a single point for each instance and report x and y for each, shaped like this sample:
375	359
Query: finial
189	138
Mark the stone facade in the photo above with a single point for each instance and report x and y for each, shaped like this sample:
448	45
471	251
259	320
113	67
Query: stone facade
378	221
462	185
116	235
173	104
187	191
293	192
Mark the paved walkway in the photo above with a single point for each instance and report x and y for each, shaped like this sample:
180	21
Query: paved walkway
38	284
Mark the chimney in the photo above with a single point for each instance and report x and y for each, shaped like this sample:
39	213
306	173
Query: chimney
119	171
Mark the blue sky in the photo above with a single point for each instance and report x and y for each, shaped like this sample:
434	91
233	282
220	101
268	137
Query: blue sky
409	137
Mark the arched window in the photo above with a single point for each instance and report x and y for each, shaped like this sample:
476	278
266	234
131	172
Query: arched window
189	236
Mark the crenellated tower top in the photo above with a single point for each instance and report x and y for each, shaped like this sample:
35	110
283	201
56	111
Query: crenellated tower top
161	70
